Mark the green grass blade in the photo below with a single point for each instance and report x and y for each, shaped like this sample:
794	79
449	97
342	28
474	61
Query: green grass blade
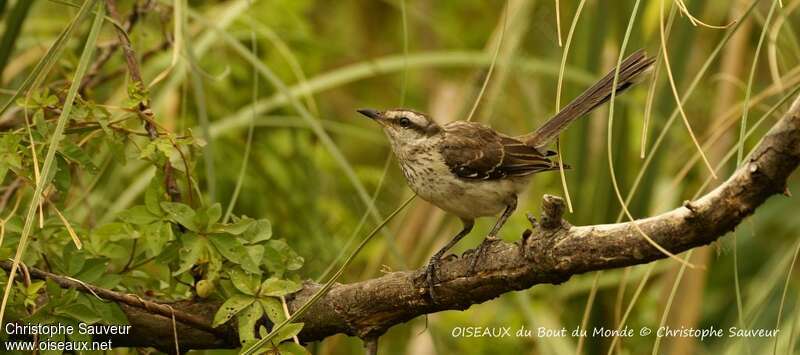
783	295
745	109
58	133
14	23
687	94
199	93
249	144
2	8
285	52
43	66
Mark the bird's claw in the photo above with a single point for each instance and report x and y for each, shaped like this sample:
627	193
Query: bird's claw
430	277
481	250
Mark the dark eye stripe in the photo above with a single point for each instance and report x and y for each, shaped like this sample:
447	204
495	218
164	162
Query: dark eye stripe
408	123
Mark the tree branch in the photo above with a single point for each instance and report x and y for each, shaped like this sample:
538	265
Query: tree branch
551	253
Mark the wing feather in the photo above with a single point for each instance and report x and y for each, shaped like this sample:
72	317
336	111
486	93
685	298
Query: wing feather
476	152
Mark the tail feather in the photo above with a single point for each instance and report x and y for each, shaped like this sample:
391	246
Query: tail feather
630	72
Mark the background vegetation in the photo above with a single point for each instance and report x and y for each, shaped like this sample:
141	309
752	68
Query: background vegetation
314	177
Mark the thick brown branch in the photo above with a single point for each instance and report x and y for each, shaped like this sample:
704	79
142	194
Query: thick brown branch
551	253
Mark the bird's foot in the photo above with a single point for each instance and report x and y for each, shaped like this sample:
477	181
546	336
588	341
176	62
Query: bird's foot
431	278
481	250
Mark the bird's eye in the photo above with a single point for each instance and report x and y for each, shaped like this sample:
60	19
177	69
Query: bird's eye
404	122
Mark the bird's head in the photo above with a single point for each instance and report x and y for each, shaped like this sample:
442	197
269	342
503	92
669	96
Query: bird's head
403	126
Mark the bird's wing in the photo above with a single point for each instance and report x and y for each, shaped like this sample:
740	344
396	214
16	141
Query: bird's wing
476	152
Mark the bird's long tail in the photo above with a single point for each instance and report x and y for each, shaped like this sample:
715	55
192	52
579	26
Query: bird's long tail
630	72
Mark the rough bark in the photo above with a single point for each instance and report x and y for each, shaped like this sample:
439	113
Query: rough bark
551	252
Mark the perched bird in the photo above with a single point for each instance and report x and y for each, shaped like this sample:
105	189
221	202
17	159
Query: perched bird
470	170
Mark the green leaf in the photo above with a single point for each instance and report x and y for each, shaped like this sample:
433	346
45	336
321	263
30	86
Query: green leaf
230	308
214	213
114	251
108	280
228	246
112	313
42	127
206	217
81	312
74	153
193	248
273	308
155	237
259	231
164	145
103	309
237	227
9	142
35	286
113	232
279	257
180	213
154	195
9	157
251	261
274	260
92	270
215	263
139	215
289	331
247	321
73	260
292	348
63	176
276	287
169	255
3	169
148	151
244	282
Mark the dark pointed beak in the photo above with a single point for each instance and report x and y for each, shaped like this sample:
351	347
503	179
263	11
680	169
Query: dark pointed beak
373	114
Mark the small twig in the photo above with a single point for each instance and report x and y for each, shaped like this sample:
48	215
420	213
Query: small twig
105	54
139	264
145	56
175	332
125	43
145	113
9	192
287	314
130	259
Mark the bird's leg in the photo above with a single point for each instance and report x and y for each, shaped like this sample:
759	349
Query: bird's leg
492	237
433	263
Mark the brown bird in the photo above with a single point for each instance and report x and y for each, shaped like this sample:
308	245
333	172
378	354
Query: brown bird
470	170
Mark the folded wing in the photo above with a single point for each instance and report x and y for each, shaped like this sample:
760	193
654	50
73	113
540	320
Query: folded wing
476	152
